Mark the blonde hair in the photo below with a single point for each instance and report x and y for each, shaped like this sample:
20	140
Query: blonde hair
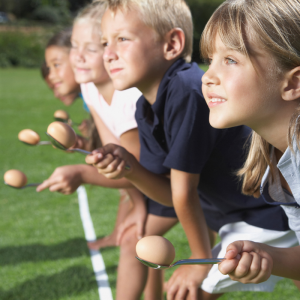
273	25
92	13
162	16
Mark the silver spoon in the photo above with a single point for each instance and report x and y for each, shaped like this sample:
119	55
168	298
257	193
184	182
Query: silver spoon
23	187
58	145
206	261
67	121
38	144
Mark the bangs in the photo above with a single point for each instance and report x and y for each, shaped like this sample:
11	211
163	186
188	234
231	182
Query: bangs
229	22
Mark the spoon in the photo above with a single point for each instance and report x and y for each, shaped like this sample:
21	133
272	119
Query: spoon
31	138
68	121
38	144
23	187
206	261
58	145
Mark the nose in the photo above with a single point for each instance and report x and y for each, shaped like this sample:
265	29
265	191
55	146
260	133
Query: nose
210	77
52	74
110	53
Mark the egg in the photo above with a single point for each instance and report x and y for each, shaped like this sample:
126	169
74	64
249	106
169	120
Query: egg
61	114
15	178
156	249
29	136
63	133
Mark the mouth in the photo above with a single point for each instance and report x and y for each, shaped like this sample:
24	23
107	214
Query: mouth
81	70
115	71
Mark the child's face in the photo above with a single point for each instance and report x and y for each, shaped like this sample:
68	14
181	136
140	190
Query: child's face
61	76
87	54
238	93
133	53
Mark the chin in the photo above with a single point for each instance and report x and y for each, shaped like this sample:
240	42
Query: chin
219	123
121	86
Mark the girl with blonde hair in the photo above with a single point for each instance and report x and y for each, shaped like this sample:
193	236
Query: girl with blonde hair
253	47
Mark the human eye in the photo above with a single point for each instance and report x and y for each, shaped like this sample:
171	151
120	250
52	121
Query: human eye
104	44
56	65
230	61
122	39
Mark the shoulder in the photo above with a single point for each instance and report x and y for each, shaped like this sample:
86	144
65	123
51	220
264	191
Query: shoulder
189	78
132	94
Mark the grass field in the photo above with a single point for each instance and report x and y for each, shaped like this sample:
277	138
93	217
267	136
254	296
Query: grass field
43	253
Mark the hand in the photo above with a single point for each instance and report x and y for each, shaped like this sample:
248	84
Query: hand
81	143
138	217
112	161
186	281
84	127
65	180
247	262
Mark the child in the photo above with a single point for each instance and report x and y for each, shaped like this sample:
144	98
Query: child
253	79
147	44
58	74
115	110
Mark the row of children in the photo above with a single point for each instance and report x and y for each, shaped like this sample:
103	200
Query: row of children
181	167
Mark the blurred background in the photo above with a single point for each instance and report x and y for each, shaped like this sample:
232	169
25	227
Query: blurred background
26	25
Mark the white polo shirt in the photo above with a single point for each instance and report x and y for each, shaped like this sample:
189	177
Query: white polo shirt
119	116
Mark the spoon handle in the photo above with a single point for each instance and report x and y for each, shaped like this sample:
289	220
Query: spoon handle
44	143
197	261
80	151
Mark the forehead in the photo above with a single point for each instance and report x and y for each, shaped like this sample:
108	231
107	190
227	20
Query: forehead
123	20
56	53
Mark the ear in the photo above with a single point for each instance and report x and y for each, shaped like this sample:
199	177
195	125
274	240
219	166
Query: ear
174	43
291	85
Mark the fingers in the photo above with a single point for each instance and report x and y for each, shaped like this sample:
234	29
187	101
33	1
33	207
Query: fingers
46	184
252	268
227	266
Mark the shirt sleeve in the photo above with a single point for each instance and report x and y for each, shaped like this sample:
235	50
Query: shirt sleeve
191	139
125	112
85	93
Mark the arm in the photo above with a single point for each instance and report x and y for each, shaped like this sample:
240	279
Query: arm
187	279
111	160
105	134
250	262
67	179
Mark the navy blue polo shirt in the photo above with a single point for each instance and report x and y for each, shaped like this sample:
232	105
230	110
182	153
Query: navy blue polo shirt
175	134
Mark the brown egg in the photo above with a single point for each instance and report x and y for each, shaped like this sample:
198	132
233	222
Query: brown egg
15	178
29	136
156	249
61	114
63	133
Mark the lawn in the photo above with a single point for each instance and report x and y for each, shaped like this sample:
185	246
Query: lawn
43	253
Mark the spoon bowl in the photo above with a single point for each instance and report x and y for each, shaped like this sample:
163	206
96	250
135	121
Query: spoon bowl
206	261
58	145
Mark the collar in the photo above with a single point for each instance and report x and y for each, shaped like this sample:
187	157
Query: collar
273	184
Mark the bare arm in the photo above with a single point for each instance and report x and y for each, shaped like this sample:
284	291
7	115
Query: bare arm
187	279
111	160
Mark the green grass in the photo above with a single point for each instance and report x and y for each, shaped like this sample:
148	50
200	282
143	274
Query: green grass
43	253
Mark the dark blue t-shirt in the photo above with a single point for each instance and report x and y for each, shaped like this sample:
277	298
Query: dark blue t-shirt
175	134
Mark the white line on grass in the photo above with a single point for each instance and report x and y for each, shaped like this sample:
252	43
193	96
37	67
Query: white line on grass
96	257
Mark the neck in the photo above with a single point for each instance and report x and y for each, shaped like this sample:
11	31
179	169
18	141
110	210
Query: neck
275	129
150	87
106	89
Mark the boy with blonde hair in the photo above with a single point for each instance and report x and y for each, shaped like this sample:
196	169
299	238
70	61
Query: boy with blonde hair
183	160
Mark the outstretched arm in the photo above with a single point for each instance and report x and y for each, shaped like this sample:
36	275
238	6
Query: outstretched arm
116	162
